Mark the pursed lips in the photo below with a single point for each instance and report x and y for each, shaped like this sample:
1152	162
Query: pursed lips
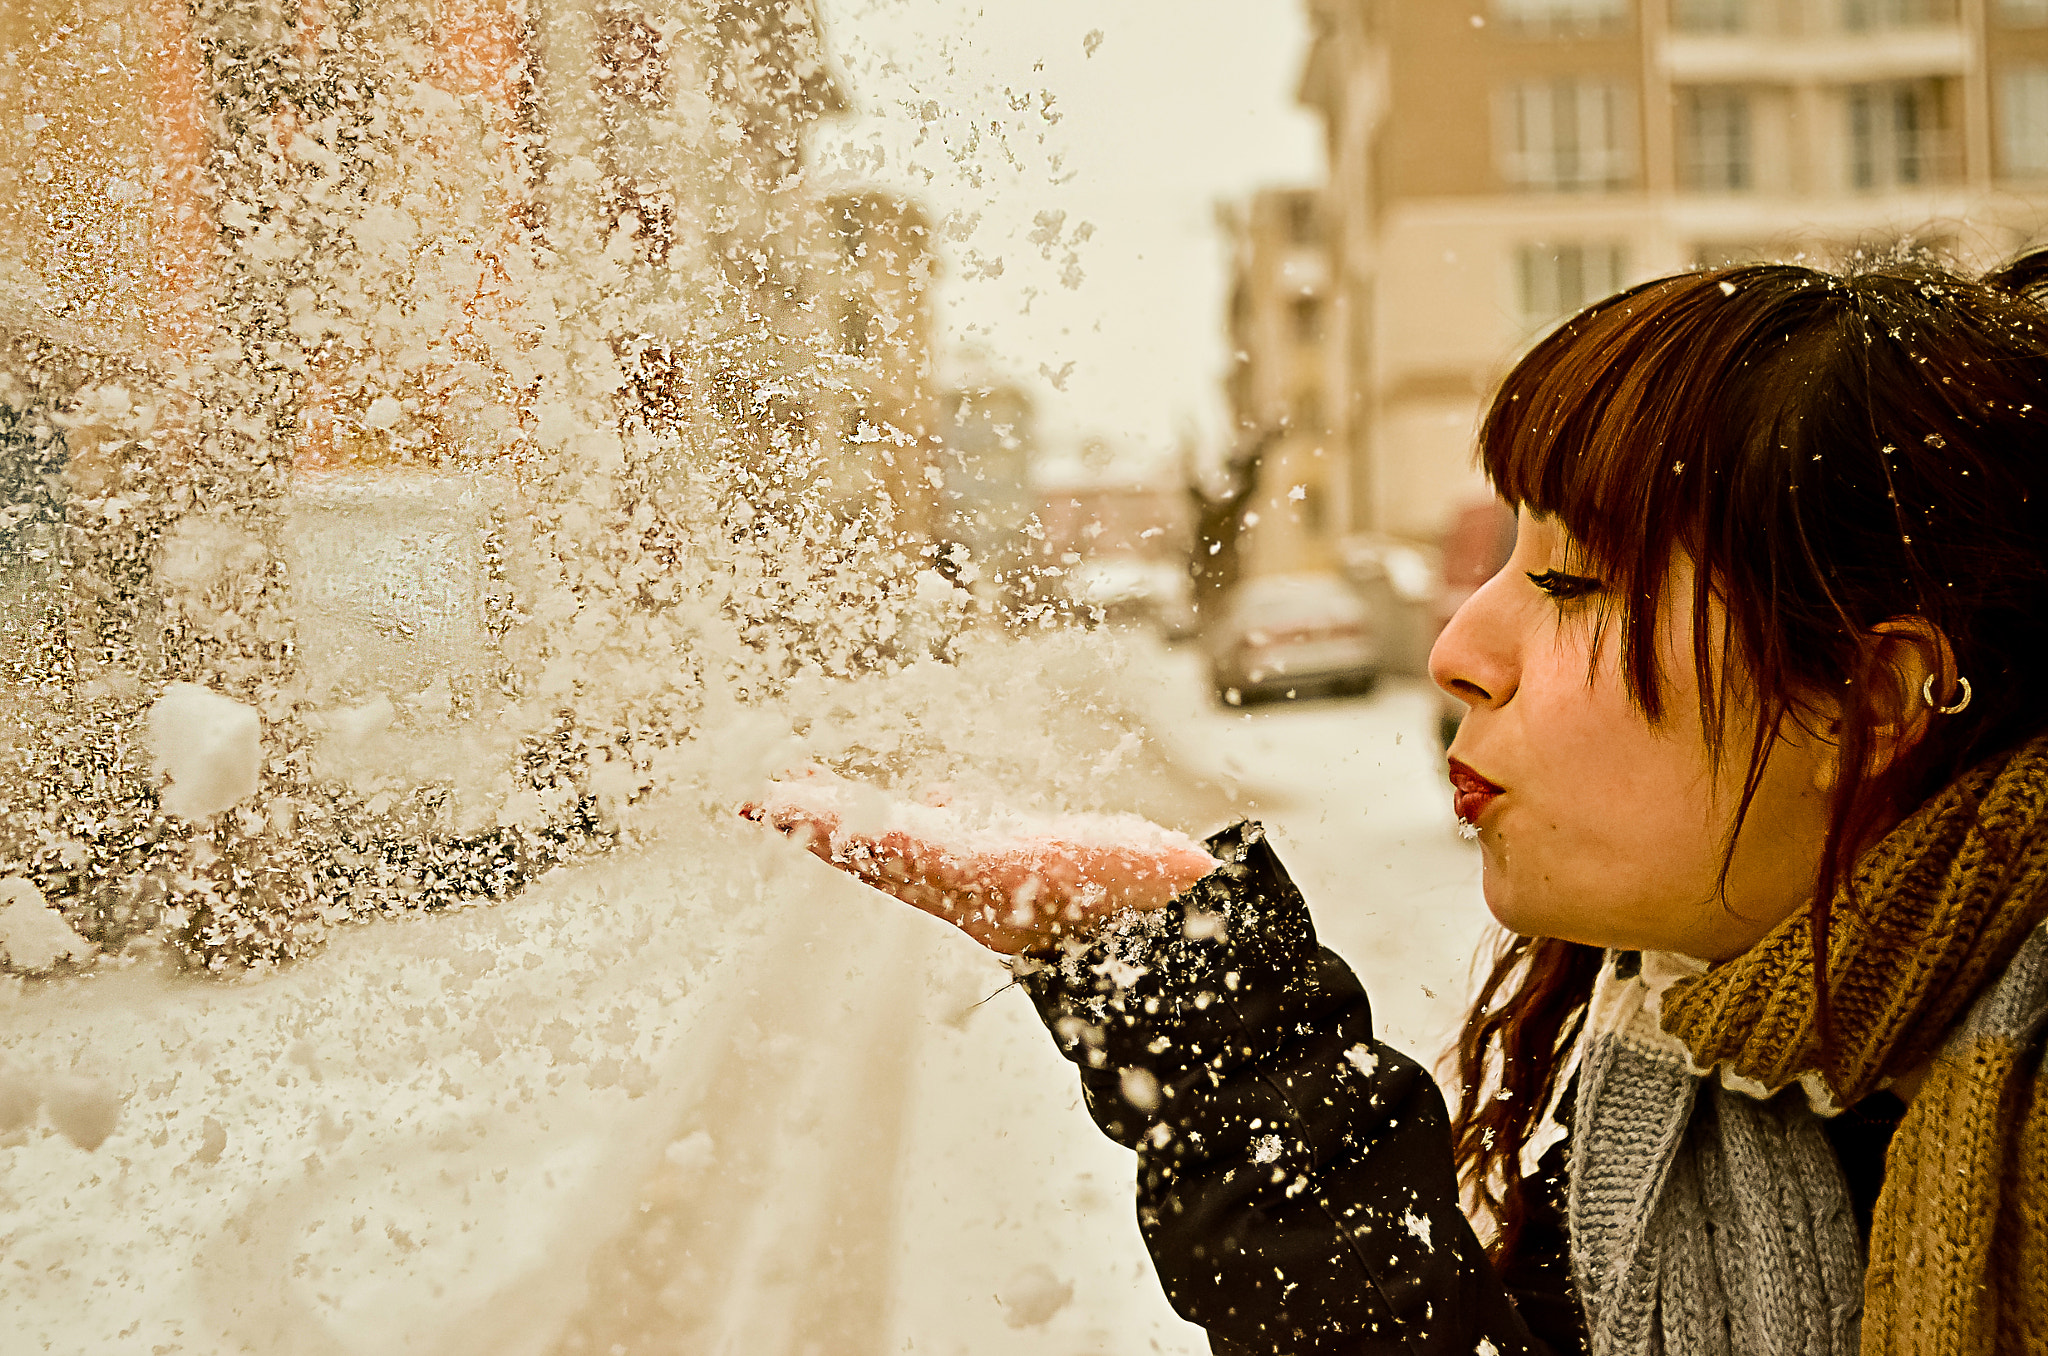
1470	792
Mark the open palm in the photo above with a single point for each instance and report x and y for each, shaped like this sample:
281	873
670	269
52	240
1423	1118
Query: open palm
1011	887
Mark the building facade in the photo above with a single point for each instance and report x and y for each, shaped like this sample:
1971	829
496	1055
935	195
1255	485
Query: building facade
988	436
874	277
1278	387
1495	166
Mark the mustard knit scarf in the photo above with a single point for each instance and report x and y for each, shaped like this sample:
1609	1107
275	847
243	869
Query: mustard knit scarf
1938	912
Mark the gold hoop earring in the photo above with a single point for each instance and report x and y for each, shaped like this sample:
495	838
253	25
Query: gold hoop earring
1927	695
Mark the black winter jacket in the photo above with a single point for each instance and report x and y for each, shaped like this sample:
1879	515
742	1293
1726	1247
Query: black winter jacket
1295	1181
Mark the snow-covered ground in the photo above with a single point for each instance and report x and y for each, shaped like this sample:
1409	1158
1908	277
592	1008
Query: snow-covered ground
1006	1188
706	1095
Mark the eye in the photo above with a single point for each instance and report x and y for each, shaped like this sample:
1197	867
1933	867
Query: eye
1564	587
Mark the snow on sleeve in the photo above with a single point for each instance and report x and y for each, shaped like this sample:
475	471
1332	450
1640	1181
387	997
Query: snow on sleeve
208	750
1361	1058
1140	1088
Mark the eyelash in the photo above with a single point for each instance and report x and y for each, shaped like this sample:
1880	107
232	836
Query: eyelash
1564	587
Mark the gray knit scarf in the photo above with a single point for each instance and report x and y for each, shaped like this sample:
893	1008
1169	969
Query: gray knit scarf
1707	1216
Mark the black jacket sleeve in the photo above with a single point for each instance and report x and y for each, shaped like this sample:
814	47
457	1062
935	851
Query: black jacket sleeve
1295	1183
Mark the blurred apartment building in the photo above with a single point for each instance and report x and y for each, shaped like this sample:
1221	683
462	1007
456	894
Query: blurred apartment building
1495	165
1287	480
873	282
989	439
1110	541
269	274
461	158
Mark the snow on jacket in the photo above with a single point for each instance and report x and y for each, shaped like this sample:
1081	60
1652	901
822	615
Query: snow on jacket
1295	1181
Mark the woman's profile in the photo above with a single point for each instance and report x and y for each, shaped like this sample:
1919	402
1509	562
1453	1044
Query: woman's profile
1757	756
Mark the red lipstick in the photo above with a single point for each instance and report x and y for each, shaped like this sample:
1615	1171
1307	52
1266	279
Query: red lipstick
1470	792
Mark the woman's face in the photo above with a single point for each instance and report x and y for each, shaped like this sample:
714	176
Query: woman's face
1609	830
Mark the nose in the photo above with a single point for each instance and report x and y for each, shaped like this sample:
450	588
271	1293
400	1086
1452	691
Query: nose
1474	658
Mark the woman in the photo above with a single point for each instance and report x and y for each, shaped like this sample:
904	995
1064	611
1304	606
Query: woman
1754	701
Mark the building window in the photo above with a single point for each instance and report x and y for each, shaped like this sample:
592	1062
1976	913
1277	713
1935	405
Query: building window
1573	18
1714	141
2023	120
856	326
1863	15
1898	137
633	54
1306	412
1565	134
1709	16
1303	228
1553	281
1308	319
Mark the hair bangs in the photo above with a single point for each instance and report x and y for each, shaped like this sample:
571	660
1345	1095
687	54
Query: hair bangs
1605	424
1629	424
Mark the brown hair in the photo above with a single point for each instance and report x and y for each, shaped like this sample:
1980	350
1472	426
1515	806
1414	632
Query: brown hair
1830	451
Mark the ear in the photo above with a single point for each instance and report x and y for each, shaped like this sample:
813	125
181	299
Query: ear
1904	653
1900	655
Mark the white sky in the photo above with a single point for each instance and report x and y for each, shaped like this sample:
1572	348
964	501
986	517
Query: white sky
1159	109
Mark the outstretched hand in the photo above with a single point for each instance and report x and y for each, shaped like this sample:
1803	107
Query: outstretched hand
1010	886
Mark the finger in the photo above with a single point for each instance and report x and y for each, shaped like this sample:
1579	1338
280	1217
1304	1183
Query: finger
1007	899
812	833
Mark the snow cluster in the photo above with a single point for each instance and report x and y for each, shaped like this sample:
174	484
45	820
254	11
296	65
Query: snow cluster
963	829
209	750
33	936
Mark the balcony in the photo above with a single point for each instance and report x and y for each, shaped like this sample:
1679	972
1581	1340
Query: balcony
1818	59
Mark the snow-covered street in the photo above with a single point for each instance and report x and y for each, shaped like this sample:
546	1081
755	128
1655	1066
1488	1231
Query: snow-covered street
703	1095
1008	1194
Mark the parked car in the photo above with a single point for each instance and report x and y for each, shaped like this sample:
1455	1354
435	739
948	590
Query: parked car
1477	544
1126	588
1398	581
1289	636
